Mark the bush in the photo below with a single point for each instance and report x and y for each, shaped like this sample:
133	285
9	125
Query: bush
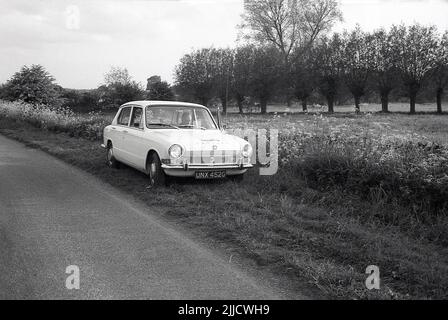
81	100
114	95
411	174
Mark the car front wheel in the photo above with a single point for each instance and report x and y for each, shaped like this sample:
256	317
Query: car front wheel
110	159
155	172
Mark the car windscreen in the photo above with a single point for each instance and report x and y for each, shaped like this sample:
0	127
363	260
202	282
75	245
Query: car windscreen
181	117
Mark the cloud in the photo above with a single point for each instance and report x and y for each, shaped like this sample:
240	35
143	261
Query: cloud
147	37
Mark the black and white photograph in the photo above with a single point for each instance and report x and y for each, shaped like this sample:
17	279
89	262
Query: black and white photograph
224	156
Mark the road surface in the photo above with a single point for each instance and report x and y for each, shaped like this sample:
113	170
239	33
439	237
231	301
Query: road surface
53	215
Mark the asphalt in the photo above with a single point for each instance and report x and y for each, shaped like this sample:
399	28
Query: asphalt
53	215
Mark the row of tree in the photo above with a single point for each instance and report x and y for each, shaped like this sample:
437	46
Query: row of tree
402	57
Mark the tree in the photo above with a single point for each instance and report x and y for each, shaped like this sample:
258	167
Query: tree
303	75
265	74
2	91
327	62
319	18
117	75
440	71
195	75
119	88
416	53
384	66
356	60
242	65
159	90
32	85
287	24
222	62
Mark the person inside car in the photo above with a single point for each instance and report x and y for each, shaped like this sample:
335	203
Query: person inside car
187	119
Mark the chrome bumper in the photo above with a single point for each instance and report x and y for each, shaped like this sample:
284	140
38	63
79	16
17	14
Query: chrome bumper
187	166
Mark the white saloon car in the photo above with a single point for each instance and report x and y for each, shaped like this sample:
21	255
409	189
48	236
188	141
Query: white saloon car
174	139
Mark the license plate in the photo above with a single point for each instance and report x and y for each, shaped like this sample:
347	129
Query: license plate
210	174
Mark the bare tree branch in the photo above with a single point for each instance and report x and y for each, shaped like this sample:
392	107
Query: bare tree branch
288	24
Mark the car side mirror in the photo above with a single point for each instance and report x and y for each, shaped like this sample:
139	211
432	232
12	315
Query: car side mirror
224	127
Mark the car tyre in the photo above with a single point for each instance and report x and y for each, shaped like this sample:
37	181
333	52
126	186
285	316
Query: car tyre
155	172
110	159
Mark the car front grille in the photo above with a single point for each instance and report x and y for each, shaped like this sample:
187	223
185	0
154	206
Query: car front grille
212	157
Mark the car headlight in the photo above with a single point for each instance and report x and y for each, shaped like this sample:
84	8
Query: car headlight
247	150
175	151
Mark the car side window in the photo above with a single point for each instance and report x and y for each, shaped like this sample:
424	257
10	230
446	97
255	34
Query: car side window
136	119
125	114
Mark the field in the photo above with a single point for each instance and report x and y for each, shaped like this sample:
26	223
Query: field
365	107
351	191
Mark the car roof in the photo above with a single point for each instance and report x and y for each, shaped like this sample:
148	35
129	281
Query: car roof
144	103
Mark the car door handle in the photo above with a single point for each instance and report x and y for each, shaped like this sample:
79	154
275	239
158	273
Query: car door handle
125	131
113	128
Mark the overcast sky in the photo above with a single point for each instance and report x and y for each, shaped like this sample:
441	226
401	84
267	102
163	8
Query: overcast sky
149	36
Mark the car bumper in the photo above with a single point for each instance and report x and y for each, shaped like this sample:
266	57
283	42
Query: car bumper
185	170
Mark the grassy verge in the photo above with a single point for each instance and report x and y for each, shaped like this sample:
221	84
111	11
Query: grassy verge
323	236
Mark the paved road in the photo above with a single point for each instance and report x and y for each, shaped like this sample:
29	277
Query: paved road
53	215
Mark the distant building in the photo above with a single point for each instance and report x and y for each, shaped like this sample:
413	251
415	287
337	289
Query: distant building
151	80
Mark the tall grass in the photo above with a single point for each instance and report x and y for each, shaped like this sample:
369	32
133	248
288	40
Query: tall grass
88	126
363	156
413	173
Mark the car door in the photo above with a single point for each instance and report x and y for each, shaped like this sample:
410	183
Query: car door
121	130
135	144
